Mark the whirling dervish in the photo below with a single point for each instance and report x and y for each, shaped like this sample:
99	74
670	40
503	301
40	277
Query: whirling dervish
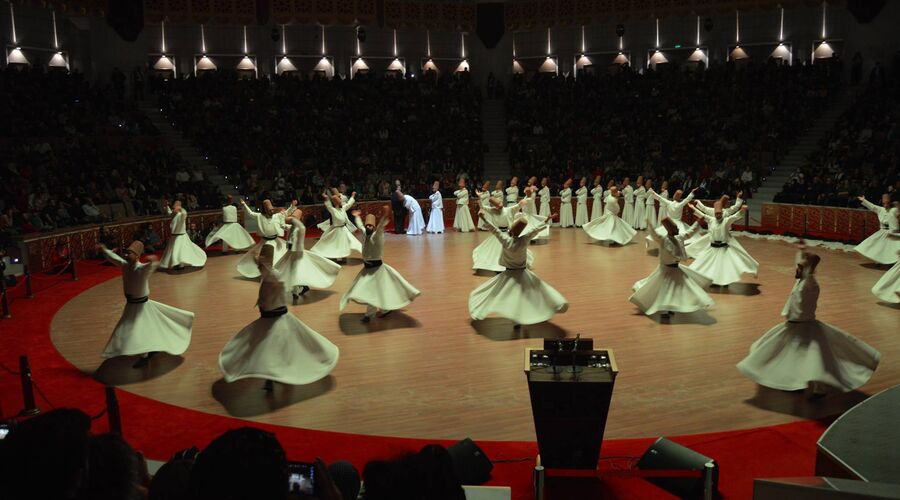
378	286
673	209
230	233
531	215
487	254
883	245
887	288
566	217
650	205
436	216
581	197
146	326
337	242
628	195
610	227
270	228
180	250
719	261
672	287
544	193
463	220
517	293
307	268
512	192
597	193
483	196
804	352
697	243
640	204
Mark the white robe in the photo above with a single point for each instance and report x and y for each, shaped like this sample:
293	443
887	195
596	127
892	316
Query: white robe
512	195
488	253
650	213
566	218
307	268
628	211
581	210
534	219
484	201
672	286
436	216
230	233
325	224
416	224
337	242
597	207
463	220
888	287
696	244
640	208
674	210
723	264
517	293
803	350
544	210
180	250
378	286
883	245
281	347
610	227
270	230
149	326
661	213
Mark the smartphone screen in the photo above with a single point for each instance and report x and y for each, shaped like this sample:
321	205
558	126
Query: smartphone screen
301	478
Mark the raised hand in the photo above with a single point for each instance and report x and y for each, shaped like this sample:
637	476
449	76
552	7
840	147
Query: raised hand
356	213
697	188
861	198
152	258
740	194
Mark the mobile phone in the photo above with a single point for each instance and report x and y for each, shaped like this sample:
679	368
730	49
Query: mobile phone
301	478
4	430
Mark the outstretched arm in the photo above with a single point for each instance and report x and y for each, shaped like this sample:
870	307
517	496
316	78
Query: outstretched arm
111	256
351	201
868	204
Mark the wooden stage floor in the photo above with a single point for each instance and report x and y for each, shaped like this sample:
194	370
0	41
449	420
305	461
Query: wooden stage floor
430	372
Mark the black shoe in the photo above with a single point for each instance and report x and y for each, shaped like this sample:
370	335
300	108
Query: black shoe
384	314
304	290
516	326
296	297
366	319
144	361
269	386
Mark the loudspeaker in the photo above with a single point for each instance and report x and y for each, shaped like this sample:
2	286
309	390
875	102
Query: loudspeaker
620	30
669	455
472	466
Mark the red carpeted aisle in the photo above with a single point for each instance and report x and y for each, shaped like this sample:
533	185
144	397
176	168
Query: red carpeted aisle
158	429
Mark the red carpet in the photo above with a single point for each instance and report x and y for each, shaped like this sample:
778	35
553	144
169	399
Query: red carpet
159	429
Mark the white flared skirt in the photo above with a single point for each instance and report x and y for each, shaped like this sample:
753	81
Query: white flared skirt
581	214
640	215
487	256
150	327
533	222
888	287
791	355
725	265
610	227
628	214
233	235
337	243
675	289
463	220
881	247
416	224
282	349
435	221
518	295
566	219
181	251
247	266
545	209
311	269
697	244
650	215
382	287
596	209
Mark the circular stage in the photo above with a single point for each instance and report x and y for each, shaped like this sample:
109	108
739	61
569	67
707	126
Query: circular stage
430	372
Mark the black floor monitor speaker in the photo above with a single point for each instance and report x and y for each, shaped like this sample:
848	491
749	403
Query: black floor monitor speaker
669	455
472	466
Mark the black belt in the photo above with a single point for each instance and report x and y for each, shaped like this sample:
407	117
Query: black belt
137	300
229	223
370	264
718	244
515	268
274	313
270	238
885	227
504	229
177	234
672	265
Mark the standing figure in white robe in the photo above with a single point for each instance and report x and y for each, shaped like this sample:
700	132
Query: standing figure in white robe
804	352
697	244
581	208
531	215
719	261
512	192
530	192
888	287
277	346
463	220
337	242
566	217
486	255
650	203
307	268
146	326
180	250
882	246
672	287
640	205
628	196
597	193
270	229
544	193
436	216
483	196
416	224
664	195
230	233
378	286
673	209
499	192
610	227
517	293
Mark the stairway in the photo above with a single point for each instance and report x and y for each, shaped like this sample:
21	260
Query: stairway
805	145
183	146
493	121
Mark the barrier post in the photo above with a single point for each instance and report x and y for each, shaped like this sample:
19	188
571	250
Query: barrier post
4	300
28	290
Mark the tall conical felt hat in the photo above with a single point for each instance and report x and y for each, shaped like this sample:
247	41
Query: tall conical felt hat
371	220
136	247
